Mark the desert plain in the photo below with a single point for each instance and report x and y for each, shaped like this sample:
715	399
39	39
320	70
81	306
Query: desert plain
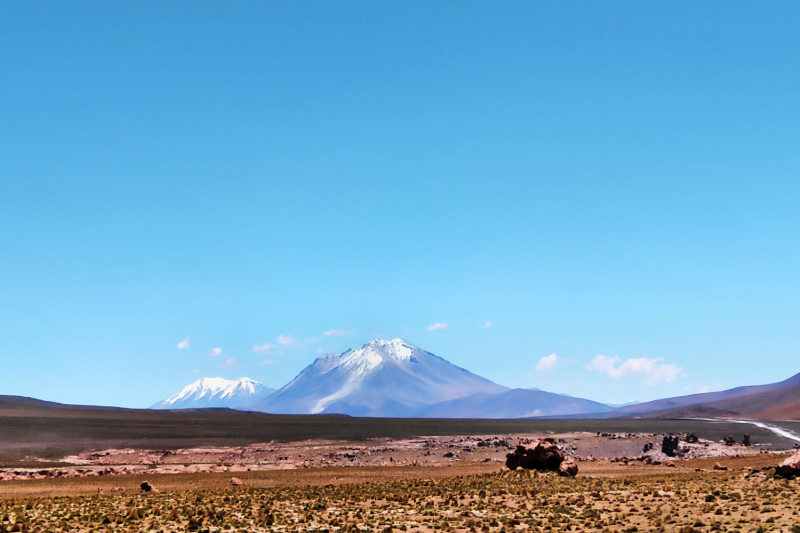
85	469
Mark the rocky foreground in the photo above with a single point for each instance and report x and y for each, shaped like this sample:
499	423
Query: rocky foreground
634	449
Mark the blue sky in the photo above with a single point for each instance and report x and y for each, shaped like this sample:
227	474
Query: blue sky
586	178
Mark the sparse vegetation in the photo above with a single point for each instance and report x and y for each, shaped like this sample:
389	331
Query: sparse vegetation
503	501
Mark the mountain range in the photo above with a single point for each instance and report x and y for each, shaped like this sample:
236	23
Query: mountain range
397	379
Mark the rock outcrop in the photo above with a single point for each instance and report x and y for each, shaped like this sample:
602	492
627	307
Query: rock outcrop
542	455
789	468
669	446
746	440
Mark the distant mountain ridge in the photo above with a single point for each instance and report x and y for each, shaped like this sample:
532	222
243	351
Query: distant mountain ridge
751	401
216	392
515	403
397	379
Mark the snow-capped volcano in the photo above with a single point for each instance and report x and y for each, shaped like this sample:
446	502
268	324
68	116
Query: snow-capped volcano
383	378
216	392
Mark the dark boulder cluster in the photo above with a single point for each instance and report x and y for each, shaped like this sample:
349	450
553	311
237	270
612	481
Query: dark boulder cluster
669	446
730	441
691	438
543	455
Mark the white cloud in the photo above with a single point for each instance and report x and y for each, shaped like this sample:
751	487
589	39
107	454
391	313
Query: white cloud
269	362
653	371
486	326
215	352
195	371
263	348
334	333
547	364
183	344
286	339
437	325
229	363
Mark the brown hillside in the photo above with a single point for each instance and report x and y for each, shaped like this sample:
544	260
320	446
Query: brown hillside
789	411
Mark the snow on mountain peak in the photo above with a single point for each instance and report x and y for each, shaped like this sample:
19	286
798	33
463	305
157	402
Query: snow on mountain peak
397	348
371	356
216	392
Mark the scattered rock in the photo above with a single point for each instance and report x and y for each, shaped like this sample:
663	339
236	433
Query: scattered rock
544	455
669	446
449	455
789	468
718	466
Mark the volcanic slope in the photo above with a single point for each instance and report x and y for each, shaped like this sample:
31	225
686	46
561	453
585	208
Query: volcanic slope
383	378
775	400
515	403
216	392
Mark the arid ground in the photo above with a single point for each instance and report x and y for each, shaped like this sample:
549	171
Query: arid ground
465	498
68	470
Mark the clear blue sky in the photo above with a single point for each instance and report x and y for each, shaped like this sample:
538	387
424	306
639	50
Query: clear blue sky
593	178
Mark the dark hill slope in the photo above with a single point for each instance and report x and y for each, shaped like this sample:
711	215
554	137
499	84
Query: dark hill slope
723	400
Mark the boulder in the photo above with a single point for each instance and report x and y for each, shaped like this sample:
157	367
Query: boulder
730	441
746	440
718	466
236	482
568	467
669	446
542	455
146	486
691	438
790	467
647	447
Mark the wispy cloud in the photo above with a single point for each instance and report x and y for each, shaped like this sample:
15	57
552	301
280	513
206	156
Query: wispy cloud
269	362
263	347
284	340
215	352
651	371
334	333
228	363
547	363
183	344
487	325
195	371
437	325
